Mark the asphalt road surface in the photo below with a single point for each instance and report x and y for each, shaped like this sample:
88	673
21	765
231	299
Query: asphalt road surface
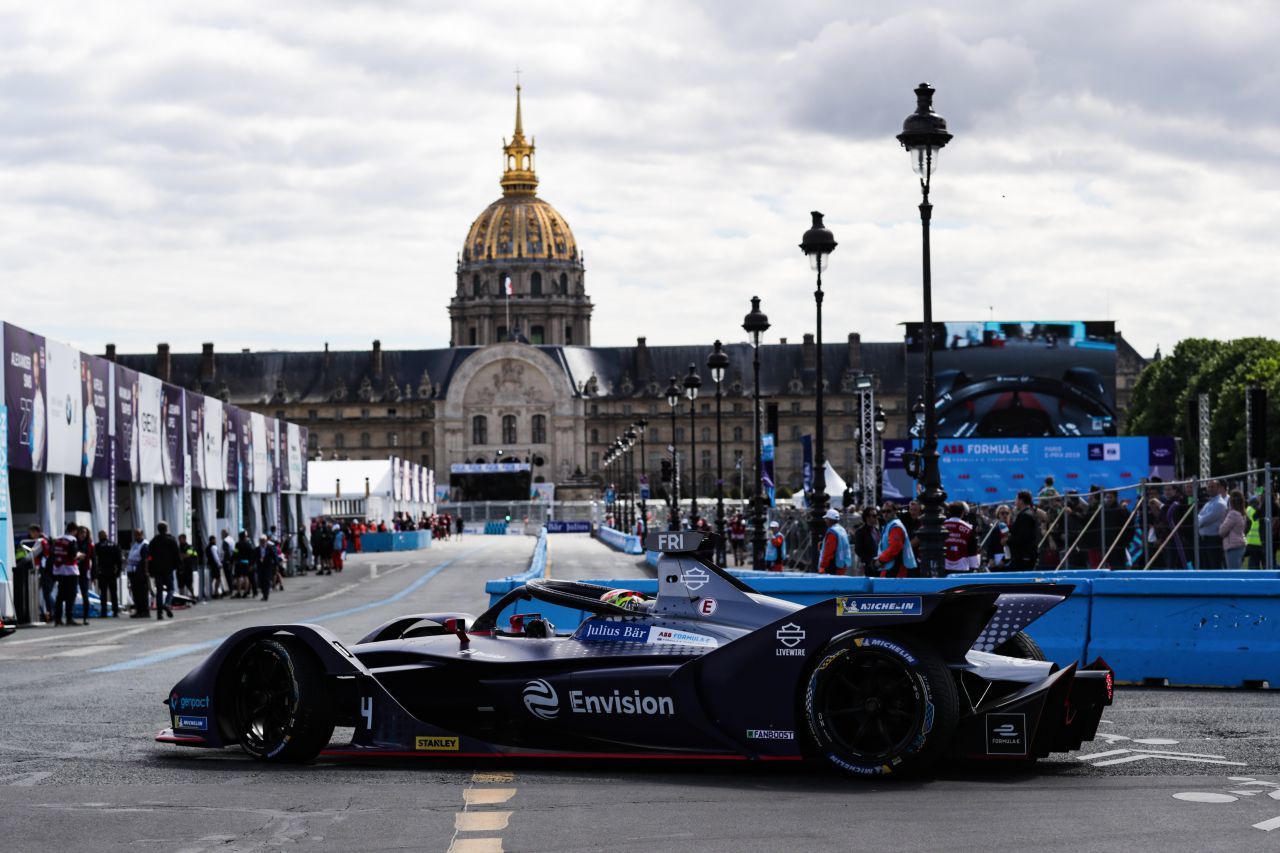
1173	770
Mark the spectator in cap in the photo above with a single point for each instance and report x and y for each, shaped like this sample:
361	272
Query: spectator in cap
836	556
775	548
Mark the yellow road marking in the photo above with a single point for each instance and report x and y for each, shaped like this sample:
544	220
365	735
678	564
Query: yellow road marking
480	821
487	796
476	845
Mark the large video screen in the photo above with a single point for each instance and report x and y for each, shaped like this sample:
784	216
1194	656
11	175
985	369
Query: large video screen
1017	380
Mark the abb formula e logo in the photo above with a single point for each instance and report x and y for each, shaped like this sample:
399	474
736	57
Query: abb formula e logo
541	700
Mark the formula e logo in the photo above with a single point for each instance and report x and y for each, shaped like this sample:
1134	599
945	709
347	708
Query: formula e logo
542	700
1006	734
694	579
790	635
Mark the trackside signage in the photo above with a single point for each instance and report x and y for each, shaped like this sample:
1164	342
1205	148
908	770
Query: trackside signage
674	541
879	605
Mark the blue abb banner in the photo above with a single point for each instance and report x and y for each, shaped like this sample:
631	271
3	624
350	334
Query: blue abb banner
986	470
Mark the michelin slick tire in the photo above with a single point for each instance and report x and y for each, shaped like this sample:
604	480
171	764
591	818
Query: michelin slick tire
1022	647
880	703
281	711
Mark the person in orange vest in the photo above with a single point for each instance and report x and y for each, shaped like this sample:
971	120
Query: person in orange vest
775	548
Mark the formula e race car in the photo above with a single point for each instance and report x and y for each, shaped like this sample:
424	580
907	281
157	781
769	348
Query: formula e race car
708	669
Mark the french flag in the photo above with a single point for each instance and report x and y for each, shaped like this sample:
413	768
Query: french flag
507	285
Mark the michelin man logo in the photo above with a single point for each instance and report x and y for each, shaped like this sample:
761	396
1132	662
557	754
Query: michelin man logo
542	700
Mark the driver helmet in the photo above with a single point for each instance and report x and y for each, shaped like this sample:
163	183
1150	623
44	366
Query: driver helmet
773	525
624	598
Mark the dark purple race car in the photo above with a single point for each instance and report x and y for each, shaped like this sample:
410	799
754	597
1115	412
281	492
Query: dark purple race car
709	669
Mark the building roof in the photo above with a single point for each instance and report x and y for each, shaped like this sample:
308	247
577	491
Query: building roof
263	378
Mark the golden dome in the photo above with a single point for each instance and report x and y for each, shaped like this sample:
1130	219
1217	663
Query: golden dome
519	226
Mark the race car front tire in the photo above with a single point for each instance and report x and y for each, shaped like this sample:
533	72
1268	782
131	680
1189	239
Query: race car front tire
281	710
878	703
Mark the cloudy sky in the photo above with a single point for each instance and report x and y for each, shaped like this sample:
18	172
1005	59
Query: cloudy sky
285	174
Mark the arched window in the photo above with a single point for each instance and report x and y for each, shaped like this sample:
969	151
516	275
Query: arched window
537	335
508	429
539	429
535	284
476	287
568	335
564	283
479	430
502	283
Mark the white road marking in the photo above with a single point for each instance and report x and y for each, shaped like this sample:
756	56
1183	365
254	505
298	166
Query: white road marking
1252	793
1268	825
1094	755
1130	755
1155	741
83	651
1204	797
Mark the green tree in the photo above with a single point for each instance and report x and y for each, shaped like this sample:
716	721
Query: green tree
1223	370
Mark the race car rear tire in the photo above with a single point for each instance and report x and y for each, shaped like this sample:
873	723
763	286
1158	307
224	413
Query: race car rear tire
1020	646
281	710
878	703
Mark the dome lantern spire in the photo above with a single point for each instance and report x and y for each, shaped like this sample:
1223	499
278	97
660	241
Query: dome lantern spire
518	177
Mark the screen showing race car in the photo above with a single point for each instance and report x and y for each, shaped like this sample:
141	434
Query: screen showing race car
993	379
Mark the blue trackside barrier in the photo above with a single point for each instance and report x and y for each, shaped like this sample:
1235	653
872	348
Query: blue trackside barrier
537	568
651	558
412	540
619	541
1212	630
495	528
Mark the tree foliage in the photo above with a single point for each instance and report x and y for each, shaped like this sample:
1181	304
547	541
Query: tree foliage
1223	370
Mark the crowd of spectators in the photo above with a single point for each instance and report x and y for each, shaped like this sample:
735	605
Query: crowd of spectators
163	572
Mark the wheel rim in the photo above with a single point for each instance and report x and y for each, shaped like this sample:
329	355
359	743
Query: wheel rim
872	704
266	700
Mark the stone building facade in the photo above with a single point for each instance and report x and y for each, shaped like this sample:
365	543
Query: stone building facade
533	388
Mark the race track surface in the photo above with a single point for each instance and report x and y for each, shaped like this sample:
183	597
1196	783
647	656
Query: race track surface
1173	770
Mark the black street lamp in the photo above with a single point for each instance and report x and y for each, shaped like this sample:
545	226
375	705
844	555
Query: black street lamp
717	362
692	382
620	487
608	479
818	244
629	438
881	423
756	324
673	400
924	133
640	427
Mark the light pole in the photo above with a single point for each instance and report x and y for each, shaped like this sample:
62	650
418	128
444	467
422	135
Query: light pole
818	243
717	362
881	422
924	133
640	426
673	400
756	323
608	478
629	436
692	382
